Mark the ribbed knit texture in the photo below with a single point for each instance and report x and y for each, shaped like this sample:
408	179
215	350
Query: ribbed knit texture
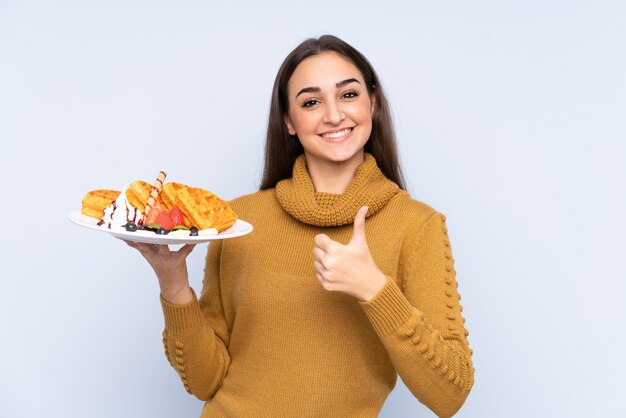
388	310
369	187
266	340
182	319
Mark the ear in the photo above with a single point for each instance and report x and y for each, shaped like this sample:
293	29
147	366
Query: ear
289	125
373	102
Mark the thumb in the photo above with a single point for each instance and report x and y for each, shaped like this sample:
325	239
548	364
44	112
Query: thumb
358	236
186	249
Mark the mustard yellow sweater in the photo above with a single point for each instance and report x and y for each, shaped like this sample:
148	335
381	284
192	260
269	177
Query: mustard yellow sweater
266	340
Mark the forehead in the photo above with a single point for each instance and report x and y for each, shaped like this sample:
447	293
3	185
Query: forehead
323	70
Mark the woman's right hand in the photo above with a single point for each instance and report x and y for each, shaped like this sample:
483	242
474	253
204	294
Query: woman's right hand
170	268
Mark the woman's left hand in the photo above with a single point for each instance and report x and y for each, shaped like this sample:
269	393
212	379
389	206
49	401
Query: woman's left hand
348	268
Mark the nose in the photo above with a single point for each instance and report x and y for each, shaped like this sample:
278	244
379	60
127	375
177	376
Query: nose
333	114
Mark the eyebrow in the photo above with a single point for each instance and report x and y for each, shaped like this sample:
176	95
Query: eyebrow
317	89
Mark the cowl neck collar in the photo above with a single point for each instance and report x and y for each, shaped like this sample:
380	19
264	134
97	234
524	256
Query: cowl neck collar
369	188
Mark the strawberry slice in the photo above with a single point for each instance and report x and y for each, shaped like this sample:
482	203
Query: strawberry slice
177	216
153	214
164	220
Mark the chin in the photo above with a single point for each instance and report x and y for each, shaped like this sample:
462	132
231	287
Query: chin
349	156
336	156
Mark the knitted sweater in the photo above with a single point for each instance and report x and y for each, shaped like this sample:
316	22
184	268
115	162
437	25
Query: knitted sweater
266	340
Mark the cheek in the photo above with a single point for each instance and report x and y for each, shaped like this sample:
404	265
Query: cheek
303	122
361	110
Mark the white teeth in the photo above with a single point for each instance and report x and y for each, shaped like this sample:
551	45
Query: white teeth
339	134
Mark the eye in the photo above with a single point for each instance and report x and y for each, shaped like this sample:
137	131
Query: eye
310	103
351	94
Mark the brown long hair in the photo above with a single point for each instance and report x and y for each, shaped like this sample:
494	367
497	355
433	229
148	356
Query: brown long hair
282	149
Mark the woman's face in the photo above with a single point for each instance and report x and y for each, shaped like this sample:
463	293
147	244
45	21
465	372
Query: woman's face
330	109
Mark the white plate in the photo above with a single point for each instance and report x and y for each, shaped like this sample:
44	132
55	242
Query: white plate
238	229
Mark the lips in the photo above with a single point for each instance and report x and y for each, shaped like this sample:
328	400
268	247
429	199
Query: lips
336	135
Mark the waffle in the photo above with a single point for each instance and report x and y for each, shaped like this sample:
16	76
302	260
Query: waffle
200	207
138	193
96	201
169	194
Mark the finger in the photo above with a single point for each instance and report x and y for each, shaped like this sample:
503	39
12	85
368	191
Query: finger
319	268
324	242
133	244
144	249
186	249
151	248
319	277
323	275
164	250
130	243
318	254
358	235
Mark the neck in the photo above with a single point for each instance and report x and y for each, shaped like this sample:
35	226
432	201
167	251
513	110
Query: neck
333	177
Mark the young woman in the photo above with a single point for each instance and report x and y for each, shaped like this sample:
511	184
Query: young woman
345	282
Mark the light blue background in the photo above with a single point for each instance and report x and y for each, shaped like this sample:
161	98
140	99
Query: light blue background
510	118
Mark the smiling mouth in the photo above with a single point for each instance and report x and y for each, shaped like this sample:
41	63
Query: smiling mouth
337	135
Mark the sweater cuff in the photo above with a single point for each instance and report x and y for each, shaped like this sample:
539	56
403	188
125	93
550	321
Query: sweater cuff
389	309
183	320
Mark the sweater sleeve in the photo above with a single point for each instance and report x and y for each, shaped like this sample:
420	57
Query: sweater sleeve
419	321
196	334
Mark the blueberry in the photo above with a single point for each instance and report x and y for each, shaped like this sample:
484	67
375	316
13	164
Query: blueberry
193	231
130	227
161	231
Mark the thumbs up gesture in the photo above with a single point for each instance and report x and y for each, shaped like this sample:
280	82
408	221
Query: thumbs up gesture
348	268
